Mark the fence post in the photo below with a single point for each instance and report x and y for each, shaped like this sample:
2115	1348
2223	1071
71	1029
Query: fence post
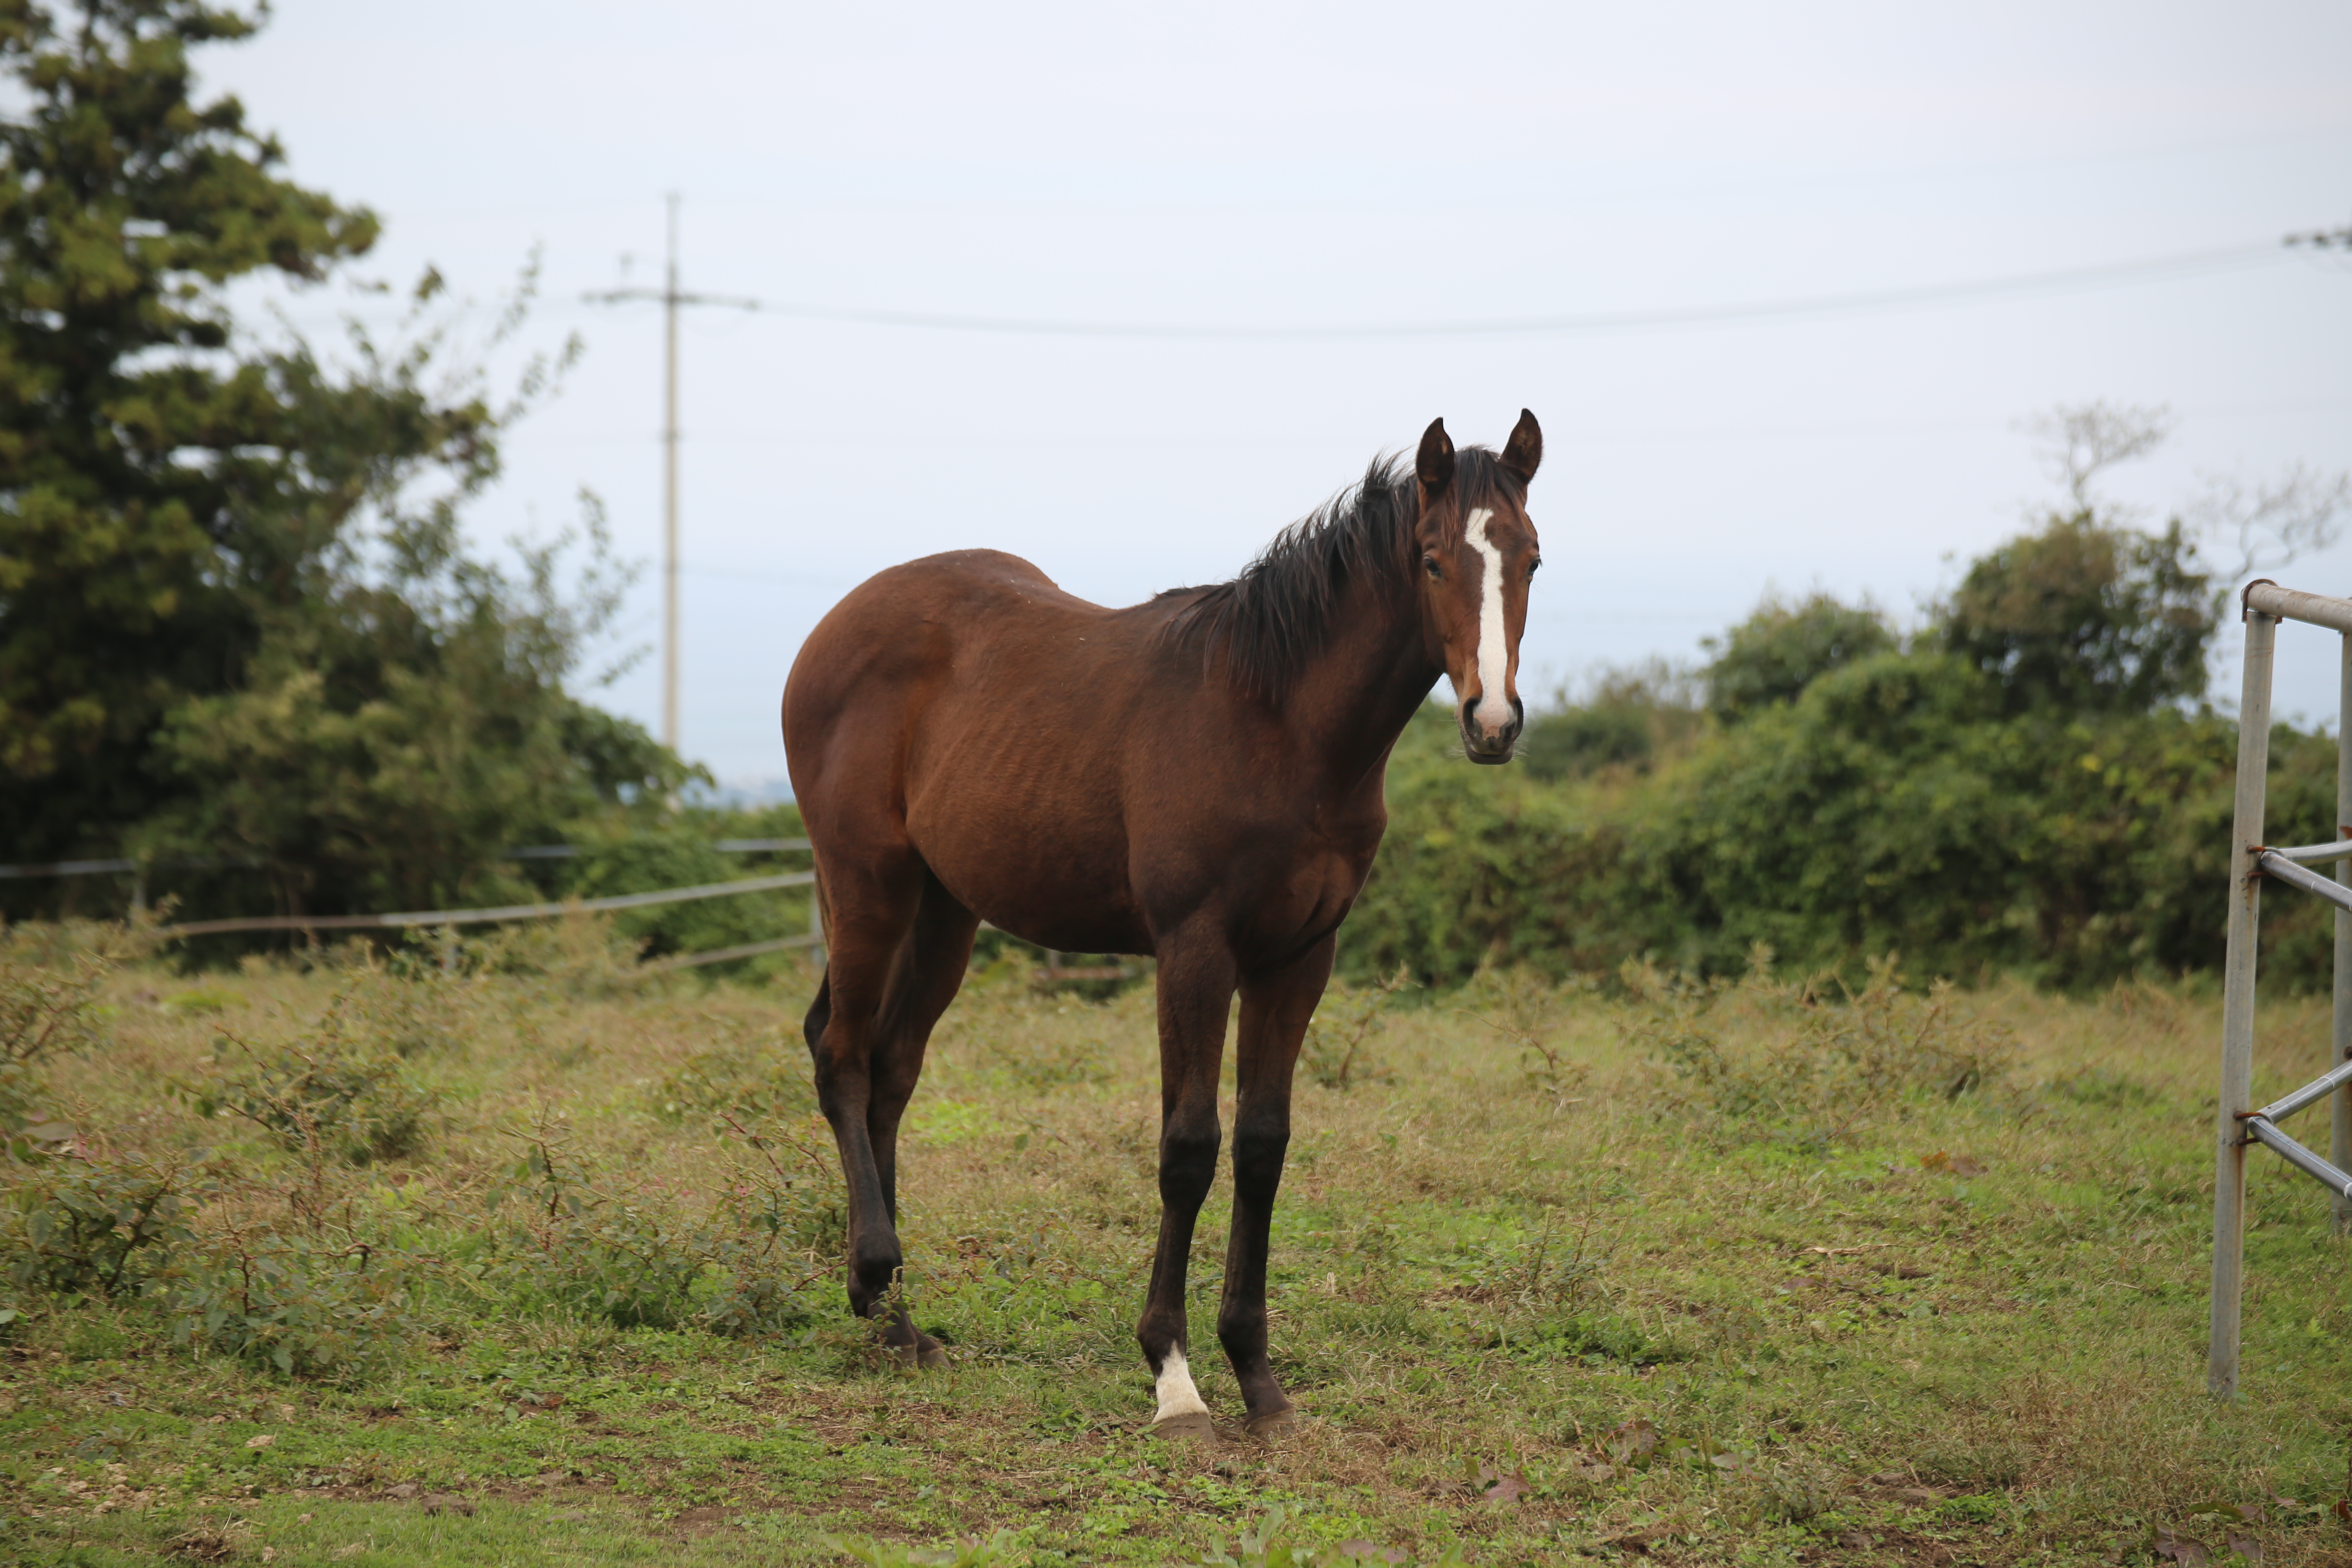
2238	1008
816	924
2340	1102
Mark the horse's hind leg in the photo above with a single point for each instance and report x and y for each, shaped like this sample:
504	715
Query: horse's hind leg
925	978
870	915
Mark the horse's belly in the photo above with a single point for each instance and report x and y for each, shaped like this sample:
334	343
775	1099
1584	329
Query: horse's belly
1060	885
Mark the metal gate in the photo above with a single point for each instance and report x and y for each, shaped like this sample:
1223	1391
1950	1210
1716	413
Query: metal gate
2240	1123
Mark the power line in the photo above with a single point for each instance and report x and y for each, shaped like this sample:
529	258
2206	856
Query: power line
1595	436
2017	285
2024	285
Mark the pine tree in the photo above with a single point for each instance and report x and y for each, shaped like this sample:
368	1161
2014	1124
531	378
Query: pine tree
235	614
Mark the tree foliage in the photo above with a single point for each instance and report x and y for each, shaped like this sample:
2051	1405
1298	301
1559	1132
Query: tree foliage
1783	647
160	491
2086	616
1630	717
2031	786
237	615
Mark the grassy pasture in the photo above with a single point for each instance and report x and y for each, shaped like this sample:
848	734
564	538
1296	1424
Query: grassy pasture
1626	1271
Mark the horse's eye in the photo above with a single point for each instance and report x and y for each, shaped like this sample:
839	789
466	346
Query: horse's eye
1532	566
1429	564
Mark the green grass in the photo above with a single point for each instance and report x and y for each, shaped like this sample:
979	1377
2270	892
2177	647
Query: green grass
1519	1235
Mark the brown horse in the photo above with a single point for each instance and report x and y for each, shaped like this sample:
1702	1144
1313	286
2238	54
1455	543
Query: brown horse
1198	778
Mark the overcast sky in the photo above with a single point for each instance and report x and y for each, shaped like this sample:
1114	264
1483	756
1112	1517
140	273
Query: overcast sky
1285	166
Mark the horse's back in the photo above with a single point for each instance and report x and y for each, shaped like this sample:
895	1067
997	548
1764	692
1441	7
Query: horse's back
964	707
891	642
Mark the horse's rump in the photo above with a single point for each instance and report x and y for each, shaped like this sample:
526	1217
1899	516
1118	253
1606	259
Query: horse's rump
995	706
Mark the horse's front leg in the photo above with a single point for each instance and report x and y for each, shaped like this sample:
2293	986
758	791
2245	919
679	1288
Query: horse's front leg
1275	1008
1196	990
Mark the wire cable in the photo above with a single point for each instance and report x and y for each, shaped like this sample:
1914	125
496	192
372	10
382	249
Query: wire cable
2017	285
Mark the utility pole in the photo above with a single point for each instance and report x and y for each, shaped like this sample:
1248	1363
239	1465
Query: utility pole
671	298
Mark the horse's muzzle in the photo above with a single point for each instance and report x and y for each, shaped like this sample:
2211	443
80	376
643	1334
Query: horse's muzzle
1490	747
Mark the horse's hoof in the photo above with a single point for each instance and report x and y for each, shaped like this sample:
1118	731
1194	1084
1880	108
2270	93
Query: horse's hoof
924	1355
1274	1423
1194	1426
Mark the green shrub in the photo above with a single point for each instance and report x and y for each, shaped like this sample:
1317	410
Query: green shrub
1893	805
98	1225
754	1079
636	860
348	1099
304	1305
49	980
1626	718
1336	1050
576	956
740	1261
1782	647
1766	1050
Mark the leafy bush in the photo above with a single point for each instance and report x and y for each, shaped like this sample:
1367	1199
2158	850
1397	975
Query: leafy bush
1893	807
754	1079
1772	656
99	1223
1627	718
1487	867
409	1003
1336	1052
635	861
643	1258
576	956
49	979
1766	1050
49	996
339	1096
302	1304
2086	616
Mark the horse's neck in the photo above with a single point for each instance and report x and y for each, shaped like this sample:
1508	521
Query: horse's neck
1354	698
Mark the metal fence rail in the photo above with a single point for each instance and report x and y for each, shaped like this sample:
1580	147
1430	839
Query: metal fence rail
484	917
2239	1123
120	866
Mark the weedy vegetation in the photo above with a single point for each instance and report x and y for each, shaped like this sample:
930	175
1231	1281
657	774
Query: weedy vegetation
497	1251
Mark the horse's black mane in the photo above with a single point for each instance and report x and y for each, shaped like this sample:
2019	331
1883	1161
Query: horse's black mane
1270	621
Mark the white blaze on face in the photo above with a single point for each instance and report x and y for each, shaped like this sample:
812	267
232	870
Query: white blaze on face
1177	1394
1493	655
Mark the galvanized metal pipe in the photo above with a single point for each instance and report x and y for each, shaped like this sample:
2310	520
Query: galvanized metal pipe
2302	1159
2271	863
2265	597
2339	1140
481	917
2315	854
2238	1004
2318	1089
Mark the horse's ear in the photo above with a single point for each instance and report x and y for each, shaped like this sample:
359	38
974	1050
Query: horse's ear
1435	463
1524	451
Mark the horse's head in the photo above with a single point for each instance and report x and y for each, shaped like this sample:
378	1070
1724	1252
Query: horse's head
1474	549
